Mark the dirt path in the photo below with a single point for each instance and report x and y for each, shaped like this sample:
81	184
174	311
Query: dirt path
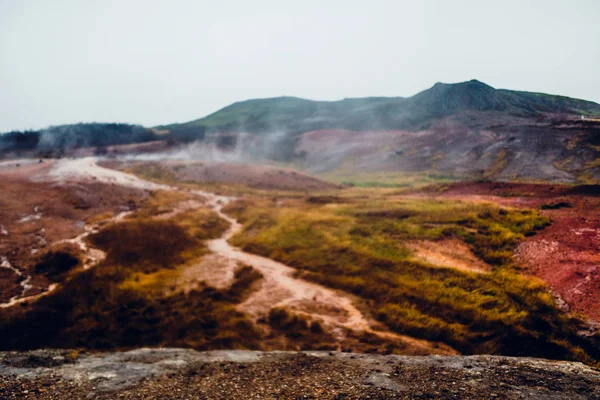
279	287
92	256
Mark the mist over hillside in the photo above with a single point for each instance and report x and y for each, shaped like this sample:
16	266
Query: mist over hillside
466	130
300	115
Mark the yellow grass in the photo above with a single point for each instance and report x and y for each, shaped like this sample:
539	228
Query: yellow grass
356	242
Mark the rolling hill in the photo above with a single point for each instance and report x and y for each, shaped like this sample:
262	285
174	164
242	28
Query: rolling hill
464	130
442	100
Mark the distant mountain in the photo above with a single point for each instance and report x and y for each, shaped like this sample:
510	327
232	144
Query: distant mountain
449	99
465	130
295	115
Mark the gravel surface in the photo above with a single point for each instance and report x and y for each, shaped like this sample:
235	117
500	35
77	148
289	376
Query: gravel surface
186	374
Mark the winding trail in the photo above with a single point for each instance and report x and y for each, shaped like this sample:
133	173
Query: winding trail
93	256
25	285
279	287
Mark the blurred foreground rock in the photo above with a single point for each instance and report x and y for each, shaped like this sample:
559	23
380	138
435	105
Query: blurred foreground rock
187	374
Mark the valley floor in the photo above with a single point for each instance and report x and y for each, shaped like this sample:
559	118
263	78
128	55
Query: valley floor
343	323
316	267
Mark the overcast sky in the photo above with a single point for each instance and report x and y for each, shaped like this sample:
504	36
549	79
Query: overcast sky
157	62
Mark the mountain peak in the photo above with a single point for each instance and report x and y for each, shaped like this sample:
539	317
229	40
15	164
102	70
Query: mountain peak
469	89
450	98
473	83
476	82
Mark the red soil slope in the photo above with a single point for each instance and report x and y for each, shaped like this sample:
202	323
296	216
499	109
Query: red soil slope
567	253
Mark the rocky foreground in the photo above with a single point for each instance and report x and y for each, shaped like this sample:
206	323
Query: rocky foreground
187	374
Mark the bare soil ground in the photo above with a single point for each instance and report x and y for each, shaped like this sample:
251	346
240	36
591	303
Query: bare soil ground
186	374
213	270
255	176
449	253
566	254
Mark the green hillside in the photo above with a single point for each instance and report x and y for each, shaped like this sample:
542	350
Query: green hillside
291	114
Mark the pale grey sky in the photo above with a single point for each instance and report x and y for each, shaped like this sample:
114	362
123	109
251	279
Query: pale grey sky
156	62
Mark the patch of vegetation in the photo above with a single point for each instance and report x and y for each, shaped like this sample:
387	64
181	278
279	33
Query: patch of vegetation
498	165
56	265
357	247
300	329
160	202
147	244
153	171
385	179
92	312
563	165
556	206
592	164
201	224
295	325
324	199
244	278
587	178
